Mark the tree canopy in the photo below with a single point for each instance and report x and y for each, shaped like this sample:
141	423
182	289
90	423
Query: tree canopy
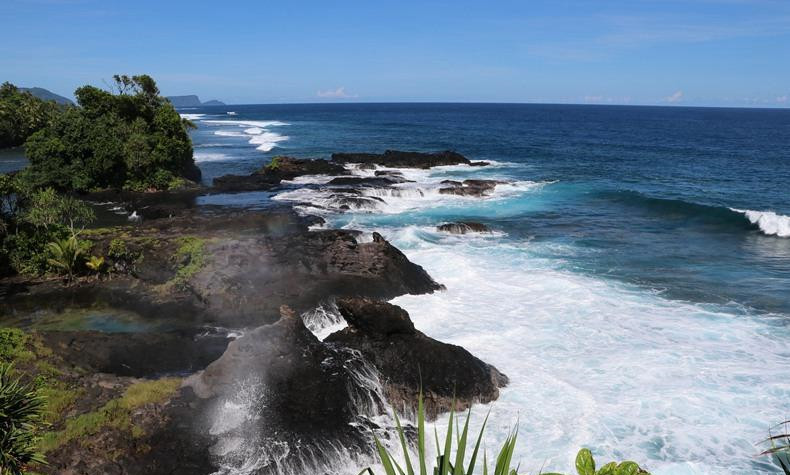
22	114
130	138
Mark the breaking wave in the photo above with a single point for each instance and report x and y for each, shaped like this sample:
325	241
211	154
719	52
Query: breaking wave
727	219
770	223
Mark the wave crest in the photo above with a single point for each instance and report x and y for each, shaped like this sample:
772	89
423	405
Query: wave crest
770	223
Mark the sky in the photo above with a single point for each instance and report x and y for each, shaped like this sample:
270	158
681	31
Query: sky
665	52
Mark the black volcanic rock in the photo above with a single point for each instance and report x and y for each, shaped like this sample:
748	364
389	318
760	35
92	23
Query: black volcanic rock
407	359
463	228
476	188
397	159
302	393
280	168
136	354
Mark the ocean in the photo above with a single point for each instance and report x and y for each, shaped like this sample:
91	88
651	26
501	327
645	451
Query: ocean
635	287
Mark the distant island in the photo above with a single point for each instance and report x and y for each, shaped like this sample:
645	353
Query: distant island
47	95
192	101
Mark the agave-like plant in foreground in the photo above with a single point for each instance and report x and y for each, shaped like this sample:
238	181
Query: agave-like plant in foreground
780	447
446	464
21	411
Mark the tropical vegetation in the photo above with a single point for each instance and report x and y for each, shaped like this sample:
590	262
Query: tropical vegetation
779	449
37	226
129	138
21	410
22	114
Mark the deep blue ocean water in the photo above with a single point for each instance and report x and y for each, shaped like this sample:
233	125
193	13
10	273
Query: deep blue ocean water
636	289
642	194
636	307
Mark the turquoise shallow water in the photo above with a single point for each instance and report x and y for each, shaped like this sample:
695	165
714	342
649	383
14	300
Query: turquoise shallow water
635	288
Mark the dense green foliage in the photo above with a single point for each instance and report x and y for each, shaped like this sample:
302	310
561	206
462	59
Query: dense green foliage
132	139
447	464
21	410
30	220
22	114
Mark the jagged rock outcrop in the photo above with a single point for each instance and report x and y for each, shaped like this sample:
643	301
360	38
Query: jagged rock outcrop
476	188
280	387
398	159
280	168
406	359
463	228
248	278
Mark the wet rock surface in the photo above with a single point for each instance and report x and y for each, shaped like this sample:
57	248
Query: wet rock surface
281	168
149	355
279	386
406	359
476	188
463	227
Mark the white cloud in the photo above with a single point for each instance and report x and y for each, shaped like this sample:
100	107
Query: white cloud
783	99
676	97
339	93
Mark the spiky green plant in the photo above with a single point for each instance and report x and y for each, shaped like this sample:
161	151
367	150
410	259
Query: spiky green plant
66	255
445	464
21	410
780	446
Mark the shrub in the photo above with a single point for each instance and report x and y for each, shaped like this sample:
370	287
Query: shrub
67	255
446	464
132	139
22	114
96	264
21	409
124	259
190	257
31	220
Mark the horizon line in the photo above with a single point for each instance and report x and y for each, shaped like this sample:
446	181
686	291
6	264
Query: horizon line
673	106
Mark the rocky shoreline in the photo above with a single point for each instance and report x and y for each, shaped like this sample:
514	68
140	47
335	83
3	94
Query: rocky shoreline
225	290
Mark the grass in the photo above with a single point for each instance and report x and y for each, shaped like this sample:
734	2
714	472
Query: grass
115	415
274	165
447	464
12	345
191	256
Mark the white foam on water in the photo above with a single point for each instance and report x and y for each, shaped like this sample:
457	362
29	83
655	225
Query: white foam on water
253	131
399	198
678	387
770	223
228	133
201	157
310	180
247	123
266	141
192	116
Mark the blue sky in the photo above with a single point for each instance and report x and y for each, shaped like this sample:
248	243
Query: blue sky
689	52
